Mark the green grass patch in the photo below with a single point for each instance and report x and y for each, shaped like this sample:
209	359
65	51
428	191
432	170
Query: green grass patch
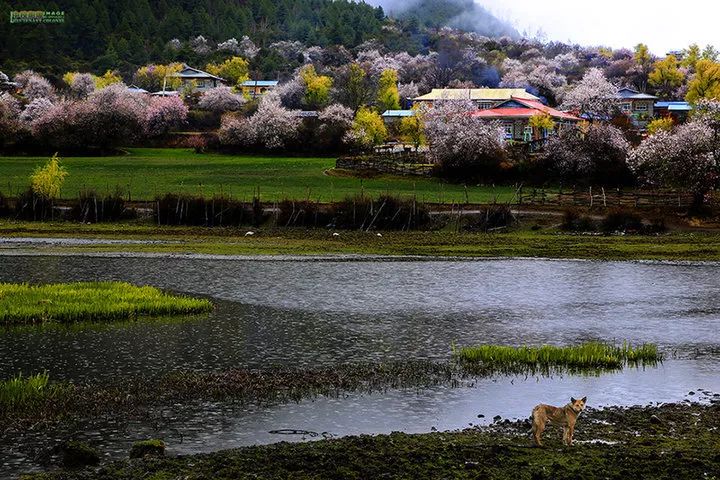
146	173
584	357
22	394
22	304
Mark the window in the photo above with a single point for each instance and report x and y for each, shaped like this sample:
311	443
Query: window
509	130
486	105
527	133
641	107
626	107
201	83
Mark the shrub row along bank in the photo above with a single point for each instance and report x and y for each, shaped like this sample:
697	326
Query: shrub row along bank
667	442
88	207
89	302
279	384
355	213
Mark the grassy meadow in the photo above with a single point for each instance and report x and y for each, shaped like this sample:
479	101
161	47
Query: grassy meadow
22	304
147	172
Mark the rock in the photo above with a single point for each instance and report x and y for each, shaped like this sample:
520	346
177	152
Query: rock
691	393
497	418
78	454
152	447
654	419
480	415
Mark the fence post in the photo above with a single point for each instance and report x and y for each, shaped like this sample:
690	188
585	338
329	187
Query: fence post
591	198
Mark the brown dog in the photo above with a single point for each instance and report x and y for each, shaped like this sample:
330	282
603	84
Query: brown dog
565	416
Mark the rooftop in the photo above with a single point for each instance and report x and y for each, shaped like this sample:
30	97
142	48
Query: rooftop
491	94
189	72
522	108
398	113
259	83
632	94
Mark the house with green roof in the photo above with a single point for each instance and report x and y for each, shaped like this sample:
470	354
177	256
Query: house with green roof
485	98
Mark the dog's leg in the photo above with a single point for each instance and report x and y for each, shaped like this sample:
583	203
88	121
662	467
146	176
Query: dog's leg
571	431
566	434
537	429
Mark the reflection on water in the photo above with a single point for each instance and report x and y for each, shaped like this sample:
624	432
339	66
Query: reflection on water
319	313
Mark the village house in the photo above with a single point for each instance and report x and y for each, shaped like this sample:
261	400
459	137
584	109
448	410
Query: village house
257	88
197	80
678	111
514	115
394	116
484	98
638	106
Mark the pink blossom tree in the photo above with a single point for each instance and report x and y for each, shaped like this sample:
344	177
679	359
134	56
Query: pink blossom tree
82	85
35	109
163	114
272	127
221	99
34	86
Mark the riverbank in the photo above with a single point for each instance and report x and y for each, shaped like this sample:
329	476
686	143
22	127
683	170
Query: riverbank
674	441
18	237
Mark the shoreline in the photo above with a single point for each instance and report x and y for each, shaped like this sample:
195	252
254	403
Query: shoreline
666	441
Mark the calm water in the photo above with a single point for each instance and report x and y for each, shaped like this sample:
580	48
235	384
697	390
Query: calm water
324	312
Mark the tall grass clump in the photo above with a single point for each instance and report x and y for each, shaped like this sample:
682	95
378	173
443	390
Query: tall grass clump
22	304
29	393
585	357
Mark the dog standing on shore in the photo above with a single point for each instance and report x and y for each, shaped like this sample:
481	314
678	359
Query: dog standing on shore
565	416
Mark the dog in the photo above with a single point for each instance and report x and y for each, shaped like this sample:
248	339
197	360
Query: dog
565	416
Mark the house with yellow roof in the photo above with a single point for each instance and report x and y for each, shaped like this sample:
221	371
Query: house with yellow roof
485	98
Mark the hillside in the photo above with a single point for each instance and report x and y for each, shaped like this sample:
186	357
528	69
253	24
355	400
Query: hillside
121	34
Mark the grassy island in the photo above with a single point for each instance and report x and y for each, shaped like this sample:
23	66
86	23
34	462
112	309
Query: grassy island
22	304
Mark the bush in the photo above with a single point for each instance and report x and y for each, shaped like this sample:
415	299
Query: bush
92	208
79	454
574	222
152	447
490	218
384	213
218	211
620	221
31	206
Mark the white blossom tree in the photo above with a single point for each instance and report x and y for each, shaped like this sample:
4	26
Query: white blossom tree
682	158
593	96
35	109
589	153
82	85
461	144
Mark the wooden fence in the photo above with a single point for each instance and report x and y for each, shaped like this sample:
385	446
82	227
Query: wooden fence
602	198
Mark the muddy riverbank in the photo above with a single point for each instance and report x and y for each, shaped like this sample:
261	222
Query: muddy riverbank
674	441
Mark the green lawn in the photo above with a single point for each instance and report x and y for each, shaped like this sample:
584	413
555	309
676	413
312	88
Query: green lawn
147	172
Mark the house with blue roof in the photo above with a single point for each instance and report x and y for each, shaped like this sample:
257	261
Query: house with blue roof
678	111
257	88
392	116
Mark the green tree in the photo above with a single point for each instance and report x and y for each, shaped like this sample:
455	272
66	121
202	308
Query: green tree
644	61
660	125
317	87
47	181
691	55
357	89
368	128
666	77
234	70
388	97
412	130
706	81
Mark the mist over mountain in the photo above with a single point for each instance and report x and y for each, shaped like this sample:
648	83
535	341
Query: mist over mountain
463	14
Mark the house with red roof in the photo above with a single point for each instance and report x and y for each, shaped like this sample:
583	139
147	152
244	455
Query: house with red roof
515	114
